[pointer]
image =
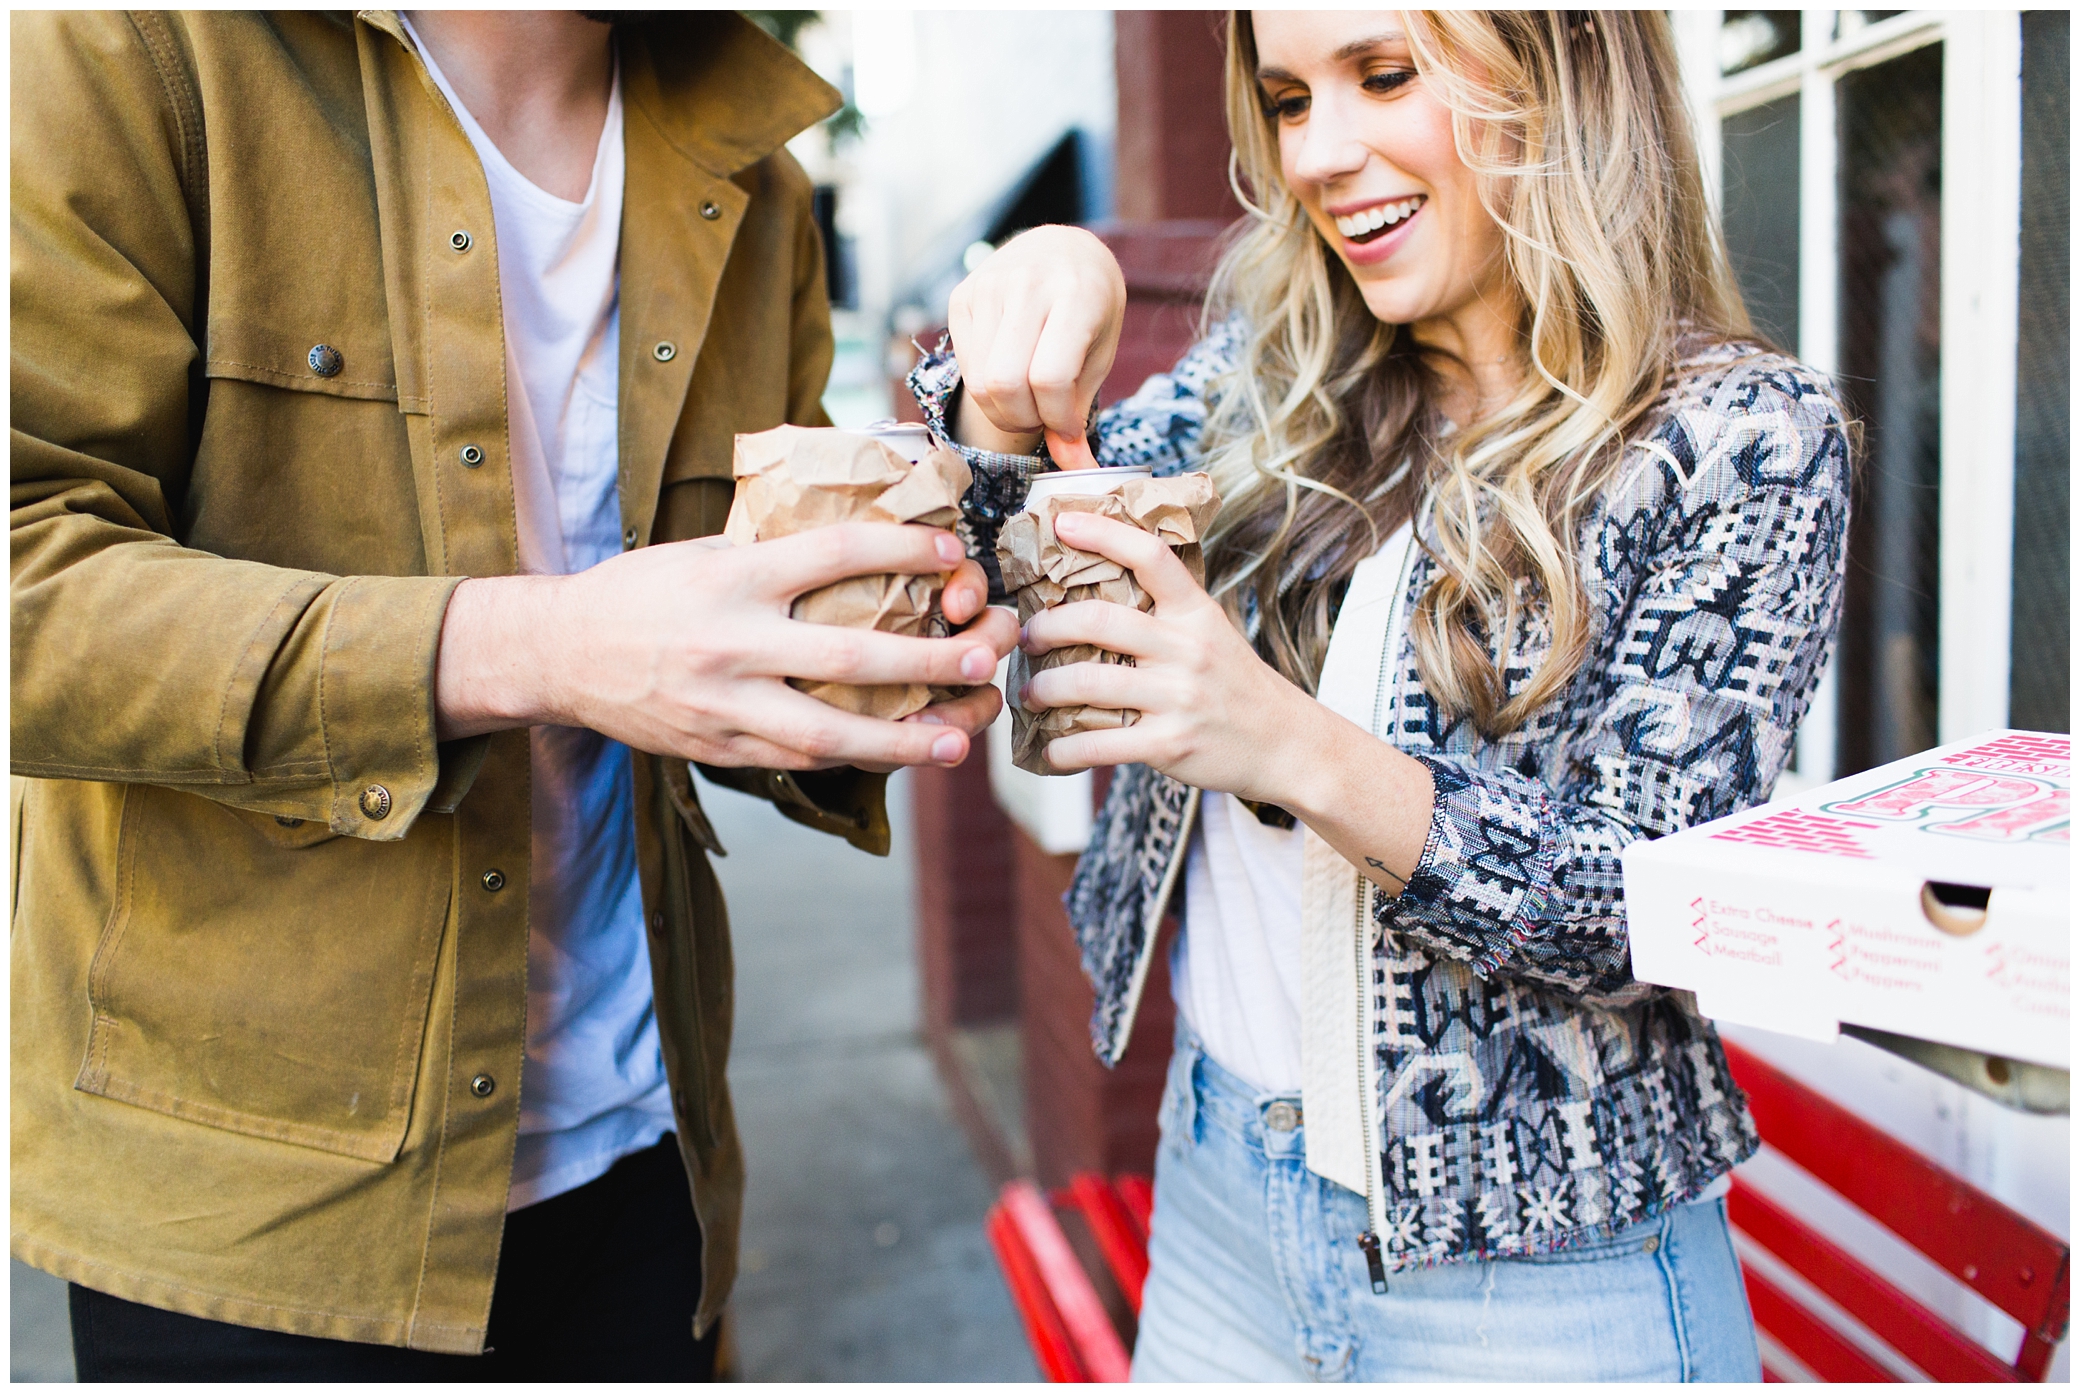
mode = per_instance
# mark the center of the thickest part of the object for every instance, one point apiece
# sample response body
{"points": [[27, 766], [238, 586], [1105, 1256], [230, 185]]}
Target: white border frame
{"points": [[1980, 266]]}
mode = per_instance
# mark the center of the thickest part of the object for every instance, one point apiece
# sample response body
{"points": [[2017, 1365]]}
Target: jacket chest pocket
{"points": [[266, 979]]}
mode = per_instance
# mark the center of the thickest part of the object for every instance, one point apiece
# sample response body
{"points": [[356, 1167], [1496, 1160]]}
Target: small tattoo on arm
{"points": [[1381, 867]]}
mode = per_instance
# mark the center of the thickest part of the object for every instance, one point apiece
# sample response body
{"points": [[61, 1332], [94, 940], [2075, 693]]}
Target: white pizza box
{"points": [[1930, 897]]}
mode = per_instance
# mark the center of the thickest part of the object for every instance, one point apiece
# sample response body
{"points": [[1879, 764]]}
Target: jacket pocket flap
{"points": [[359, 363]]}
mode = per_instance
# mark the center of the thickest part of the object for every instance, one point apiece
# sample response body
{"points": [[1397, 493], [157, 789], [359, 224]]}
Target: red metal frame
{"points": [[1121, 1238], [1052, 1348], [1070, 1330], [2012, 1262]]}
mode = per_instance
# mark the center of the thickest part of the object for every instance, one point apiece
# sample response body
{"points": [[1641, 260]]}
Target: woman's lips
{"points": [[1370, 224], [1368, 239]]}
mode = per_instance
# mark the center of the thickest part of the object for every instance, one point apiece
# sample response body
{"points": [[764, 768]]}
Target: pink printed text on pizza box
{"points": [[1930, 897]]}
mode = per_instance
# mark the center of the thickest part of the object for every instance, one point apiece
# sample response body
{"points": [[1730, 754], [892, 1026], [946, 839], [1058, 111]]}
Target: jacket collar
{"points": [[724, 93]]}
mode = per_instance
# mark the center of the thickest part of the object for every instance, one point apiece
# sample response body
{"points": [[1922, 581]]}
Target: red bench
{"points": [[2005, 1258]]}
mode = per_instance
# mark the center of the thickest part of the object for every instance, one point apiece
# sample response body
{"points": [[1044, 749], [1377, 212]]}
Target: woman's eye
{"points": [[1287, 108], [1387, 80]]}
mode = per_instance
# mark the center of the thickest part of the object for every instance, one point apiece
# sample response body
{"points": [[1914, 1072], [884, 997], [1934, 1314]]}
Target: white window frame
{"points": [[1980, 270]]}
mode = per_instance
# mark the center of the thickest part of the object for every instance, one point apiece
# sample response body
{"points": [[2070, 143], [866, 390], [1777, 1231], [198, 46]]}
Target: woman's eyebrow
{"points": [[1358, 46], [1355, 48]]}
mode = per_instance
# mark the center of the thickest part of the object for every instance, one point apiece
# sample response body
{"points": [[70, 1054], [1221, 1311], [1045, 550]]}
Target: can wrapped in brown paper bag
{"points": [[796, 478], [1041, 572]]}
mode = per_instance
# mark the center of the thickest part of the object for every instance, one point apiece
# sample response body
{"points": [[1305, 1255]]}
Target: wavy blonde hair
{"points": [[1581, 146]]}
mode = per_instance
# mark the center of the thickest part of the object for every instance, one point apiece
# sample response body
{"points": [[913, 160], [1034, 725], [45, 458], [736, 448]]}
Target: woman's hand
{"points": [[1215, 715], [1035, 329]]}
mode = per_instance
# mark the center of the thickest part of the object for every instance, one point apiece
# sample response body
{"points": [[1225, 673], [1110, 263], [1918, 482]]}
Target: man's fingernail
{"points": [[947, 748], [927, 718], [949, 548], [977, 664]]}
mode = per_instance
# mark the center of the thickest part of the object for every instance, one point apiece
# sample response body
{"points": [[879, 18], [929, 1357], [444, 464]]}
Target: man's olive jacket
{"points": [[269, 935]]}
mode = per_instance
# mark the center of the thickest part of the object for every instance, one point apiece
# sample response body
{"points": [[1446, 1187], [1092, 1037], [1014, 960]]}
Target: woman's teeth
{"points": [[1365, 225]]}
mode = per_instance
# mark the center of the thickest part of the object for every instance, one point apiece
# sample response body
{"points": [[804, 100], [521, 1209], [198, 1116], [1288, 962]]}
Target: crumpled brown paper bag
{"points": [[795, 478], [1042, 572]]}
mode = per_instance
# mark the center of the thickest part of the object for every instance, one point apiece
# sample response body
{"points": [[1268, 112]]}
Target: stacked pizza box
{"points": [[1929, 898]]}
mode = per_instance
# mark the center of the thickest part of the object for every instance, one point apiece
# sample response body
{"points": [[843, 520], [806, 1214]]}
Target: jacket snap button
{"points": [[325, 360], [483, 1085], [1652, 1245], [375, 802], [494, 880], [1281, 1117], [657, 922], [628, 538], [472, 456], [459, 240], [710, 211], [665, 351]]}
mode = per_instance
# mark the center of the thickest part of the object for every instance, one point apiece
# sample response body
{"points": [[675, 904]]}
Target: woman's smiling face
{"points": [[1367, 149]]}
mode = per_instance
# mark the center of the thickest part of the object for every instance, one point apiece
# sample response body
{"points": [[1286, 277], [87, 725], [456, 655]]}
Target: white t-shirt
{"points": [[594, 1086], [1235, 970]]}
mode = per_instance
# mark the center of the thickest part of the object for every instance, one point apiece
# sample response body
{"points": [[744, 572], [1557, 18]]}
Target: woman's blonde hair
{"points": [[1581, 146]]}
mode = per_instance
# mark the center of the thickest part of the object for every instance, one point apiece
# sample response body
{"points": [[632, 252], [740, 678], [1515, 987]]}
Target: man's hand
{"points": [[685, 649]]}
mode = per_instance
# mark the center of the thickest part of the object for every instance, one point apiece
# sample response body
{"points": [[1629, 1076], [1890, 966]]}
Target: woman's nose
{"points": [[1329, 147]]}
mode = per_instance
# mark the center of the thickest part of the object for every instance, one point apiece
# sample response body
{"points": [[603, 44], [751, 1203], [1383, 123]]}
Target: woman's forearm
{"points": [[1360, 795]]}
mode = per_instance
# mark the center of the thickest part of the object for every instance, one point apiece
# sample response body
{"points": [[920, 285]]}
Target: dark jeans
{"points": [[597, 1284]]}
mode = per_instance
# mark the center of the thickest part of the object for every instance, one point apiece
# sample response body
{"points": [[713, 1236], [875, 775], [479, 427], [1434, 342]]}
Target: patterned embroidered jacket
{"points": [[1532, 1094]]}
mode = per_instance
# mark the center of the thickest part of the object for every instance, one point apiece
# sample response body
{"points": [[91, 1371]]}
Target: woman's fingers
{"points": [[1108, 686], [1073, 350], [1161, 574], [1099, 623], [1002, 381], [1092, 749]]}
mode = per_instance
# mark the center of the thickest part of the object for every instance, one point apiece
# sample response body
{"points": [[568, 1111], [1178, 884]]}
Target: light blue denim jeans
{"points": [[1255, 1275]]}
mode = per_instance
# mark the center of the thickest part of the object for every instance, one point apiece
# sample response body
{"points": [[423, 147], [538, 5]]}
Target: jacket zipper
{"points": [[1368, 1241], [1361, 938]]}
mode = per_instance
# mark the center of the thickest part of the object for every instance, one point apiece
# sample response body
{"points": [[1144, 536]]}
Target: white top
{"points": [[594, 1086], [1236, 969]]}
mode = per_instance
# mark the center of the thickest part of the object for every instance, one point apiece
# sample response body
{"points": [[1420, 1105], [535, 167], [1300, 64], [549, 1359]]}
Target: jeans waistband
{"points": [[1265, 1121]]}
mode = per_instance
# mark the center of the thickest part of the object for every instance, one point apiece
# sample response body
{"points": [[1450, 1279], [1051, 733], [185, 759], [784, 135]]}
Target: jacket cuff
{"points": [[376, 699], [845, 802], [999, 489], [1485, 872]]}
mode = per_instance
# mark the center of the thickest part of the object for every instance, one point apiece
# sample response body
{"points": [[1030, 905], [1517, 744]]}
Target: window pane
{"points": [[1891, 135], [1760, 148], [1750, 38], [2039, 690]]}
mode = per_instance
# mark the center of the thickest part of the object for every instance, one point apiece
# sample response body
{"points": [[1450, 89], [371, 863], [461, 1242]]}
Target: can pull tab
{"points": [[1376, 1265], [1070, 454]]}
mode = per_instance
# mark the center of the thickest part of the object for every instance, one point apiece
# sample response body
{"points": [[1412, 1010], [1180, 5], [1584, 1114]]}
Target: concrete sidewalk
{"points": [[863, 1257]]}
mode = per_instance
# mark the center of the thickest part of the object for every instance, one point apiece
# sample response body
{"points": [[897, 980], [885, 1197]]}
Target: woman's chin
{"points": [[1393, 301]]}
